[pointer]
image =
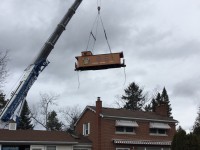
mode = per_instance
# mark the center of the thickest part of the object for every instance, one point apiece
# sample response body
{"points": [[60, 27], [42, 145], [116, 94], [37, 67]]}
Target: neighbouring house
{"points": [[11, 139], [121, 129]]}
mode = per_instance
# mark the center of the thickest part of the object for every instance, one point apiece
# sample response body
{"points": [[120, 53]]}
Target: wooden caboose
{"points": [[88, 61]]}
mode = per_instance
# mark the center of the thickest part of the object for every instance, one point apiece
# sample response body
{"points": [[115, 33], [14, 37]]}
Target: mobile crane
{"points": [[32, 72]]}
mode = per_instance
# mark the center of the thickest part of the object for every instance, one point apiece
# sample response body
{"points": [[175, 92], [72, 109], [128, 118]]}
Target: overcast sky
{"points": [[160, 41]]}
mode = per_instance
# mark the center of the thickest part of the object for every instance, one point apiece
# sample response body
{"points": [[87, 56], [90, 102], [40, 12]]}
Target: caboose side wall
{"points": [[94, 60]]}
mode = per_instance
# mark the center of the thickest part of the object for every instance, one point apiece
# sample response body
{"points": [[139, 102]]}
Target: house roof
{"points": [[39, 137], [130, 114]]}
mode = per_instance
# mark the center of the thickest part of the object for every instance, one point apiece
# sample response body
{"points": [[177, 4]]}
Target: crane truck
{"points": [[9, 112]]}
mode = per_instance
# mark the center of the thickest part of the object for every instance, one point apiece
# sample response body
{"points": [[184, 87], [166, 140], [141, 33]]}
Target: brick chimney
{"points": [[98, 123], [98, 105], [161, 110]]}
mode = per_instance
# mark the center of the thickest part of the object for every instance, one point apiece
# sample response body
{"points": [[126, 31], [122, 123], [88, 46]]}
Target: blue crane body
{"points": [[33, 71]]}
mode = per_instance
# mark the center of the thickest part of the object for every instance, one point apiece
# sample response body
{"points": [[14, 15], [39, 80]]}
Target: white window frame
{"points": [[86, 129]]}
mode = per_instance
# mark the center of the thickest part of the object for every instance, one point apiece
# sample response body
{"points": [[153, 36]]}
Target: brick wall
{"points": [[88, 117], [104, 141]]}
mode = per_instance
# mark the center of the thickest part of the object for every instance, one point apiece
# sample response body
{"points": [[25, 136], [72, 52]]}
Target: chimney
{"points": [[98, 106], [98, 123], [161, 110]]}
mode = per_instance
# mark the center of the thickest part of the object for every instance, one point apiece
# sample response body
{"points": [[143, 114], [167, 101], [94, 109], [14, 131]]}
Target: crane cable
{"points": [[94, 35]]}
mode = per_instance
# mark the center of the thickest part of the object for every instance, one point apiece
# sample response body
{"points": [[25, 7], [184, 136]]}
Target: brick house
{"points": [[41, 140], [121, 129]]}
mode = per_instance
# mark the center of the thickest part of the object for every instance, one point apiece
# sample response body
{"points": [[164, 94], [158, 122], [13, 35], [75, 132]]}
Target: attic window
{"points": [[86, 129], [12, 126]]}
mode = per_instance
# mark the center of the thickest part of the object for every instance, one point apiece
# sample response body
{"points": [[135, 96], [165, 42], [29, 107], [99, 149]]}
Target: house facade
{"points": [[121, 129], [41, 140]]}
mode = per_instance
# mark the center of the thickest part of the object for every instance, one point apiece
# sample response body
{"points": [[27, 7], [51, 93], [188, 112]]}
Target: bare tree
{"points": [[119, 103], [40, 115], [70, 115], [3, 67]]}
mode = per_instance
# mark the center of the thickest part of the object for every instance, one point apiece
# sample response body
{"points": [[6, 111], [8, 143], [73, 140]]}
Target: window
{"points": [[10, 148], [158, 128], [158, 131], [37, 147], [125, 126], [51, 148], [86, 129], [120, 129]]}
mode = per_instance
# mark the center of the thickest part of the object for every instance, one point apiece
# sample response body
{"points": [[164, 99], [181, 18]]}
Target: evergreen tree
{"points": [[155, 102], [25, 119], [134, 98], [148, 107], [53, 122], [158, 99], [2, 101], [196, 127], [165, 100], [179, 140], [192, 142]]}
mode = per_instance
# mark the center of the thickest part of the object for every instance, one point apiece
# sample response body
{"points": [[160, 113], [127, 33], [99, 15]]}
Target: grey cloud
{"points": [[187, 88]]}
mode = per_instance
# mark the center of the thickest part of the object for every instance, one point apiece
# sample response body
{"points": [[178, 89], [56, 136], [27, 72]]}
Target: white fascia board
{"points": [[87, 107]]}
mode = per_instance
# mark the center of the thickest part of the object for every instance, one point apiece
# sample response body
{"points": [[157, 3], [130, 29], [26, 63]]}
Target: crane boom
{"points": [[33, 70]]}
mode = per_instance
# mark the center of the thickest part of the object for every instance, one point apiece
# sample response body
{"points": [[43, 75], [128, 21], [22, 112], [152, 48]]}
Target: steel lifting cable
{"points": [[105, 35], [91, 34], [98, 3], [96, 22]]}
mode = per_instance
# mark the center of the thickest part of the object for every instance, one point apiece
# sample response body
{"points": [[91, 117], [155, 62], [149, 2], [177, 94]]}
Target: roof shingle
{"points": [[124, 113], [39, 136]]}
